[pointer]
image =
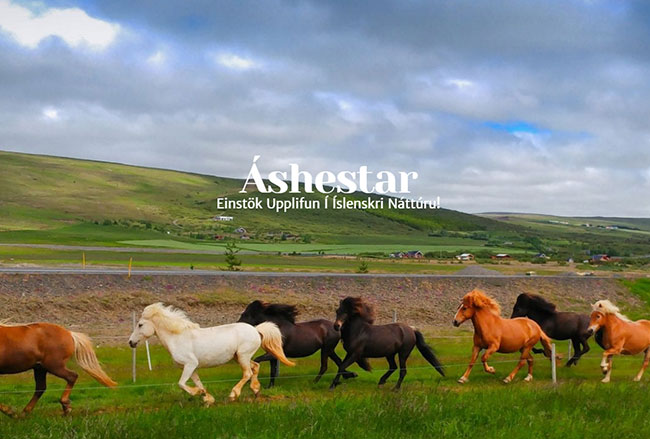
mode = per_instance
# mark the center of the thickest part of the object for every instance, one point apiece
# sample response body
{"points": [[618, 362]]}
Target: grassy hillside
{"points": [[67, 199]]}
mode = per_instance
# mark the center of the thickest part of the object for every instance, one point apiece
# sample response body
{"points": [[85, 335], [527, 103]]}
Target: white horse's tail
{"points": [[272, 341]]}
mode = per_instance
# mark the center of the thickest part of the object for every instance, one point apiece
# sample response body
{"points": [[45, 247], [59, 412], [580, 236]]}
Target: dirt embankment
{"points": [[103, 304]]}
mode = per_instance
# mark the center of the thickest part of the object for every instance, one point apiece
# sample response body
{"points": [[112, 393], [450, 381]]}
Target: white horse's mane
{"points": [[168, 318], [607, 307]]}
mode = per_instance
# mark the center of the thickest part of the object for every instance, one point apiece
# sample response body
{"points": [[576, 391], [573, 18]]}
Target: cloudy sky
{"points": [[530, 106]]}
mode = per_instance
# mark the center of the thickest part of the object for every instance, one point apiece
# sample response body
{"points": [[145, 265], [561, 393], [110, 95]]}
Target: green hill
{"points": [[57, 200]]}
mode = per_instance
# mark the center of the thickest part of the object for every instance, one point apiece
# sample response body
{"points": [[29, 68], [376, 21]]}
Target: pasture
{"points": [[426, 406]]}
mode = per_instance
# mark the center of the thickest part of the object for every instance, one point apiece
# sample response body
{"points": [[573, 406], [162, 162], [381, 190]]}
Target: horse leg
{"points": [[646, 360], [475, 351], [608, 369], [275, 366], [188, 370], [489, 351], [349, 359], [247, 373], [40, 377], [392, 367], [403, 356], [576, 352], [337, 360], [207, 398], [70, 378], [255, 383], [525, 353]]}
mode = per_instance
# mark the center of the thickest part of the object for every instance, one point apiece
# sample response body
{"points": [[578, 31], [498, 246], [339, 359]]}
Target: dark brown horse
{"points": [[362, 339], [299, 339], [45, 347], [556, 324]]}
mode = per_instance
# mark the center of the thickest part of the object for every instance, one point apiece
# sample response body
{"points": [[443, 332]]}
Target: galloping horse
{"points": [[620, 336], [362, 339], [557, 325], [45, 347], [496, 334], [193, 347], [299, 339]]}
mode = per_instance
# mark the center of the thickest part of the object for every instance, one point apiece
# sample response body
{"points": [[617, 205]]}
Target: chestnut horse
{"points": [[620, 336], [45, 347], [496, 334]]}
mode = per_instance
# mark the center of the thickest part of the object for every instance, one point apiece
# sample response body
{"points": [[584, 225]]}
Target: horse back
{"points": [[23, 346]]}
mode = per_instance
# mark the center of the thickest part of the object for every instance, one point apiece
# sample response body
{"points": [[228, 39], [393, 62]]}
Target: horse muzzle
{"points": [[337, 325], [133, 343], [456, 323]]}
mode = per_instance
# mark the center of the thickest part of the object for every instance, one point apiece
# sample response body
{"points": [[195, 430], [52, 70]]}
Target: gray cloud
{"points": [[334, 85]]}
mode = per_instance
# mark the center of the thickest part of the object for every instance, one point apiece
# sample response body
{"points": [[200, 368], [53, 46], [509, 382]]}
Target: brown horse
{"points": [[496, 334], [45, 347], [620, 336]]}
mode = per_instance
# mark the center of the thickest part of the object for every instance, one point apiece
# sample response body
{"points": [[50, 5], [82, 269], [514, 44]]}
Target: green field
{"points": [[427, 406]]}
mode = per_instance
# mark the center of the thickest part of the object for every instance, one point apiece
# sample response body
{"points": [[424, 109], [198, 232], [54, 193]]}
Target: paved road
{"points": [[88, 248], [77, 271]]}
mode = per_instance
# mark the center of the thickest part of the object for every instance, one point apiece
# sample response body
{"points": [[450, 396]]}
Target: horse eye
{"points": [[139, 325]]}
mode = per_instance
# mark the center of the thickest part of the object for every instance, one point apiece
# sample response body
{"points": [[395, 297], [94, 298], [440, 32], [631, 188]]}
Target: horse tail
{"points": [[427, 353], [272, 341], [546, 343], [86, 358]]}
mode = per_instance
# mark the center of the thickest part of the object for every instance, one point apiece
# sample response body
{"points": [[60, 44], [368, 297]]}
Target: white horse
{"points": [[193, 347]]}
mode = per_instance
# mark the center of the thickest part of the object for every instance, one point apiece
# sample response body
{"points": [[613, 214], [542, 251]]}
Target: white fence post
{"points": [[570, 344], [133, 351], [553, 364], [394, 316]]}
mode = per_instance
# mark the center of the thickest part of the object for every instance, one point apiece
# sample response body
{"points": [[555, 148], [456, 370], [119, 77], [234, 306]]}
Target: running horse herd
{"points": [[45, 348]]}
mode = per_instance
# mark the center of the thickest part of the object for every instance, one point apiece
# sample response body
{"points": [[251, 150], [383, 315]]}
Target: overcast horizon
{"points": [[518, 106]]}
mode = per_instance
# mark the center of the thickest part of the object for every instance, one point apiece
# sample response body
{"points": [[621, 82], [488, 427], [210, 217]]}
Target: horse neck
{"points": [[278, 320], [353, 326], [165, 337], [613, 324], [538, 316], [483, 320]]}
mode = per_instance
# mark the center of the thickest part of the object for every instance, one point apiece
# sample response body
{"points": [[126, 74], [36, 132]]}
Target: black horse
{"points": [[362, 339], [299, 339], [557, 325]]}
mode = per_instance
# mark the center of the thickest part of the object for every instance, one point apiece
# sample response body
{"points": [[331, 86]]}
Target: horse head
{"points": [[522, 306], [254, 313], [353, 307], [473, 301]]}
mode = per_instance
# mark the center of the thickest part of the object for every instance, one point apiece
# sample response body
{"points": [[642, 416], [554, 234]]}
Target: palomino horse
{"points": [[193, 347], [496, 334], [556, 324], [45, 347], [300, 339], [362, 339], [620, 336]]}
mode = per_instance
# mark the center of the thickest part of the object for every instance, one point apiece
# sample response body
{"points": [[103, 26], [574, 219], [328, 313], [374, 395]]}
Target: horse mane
{"points": [[358, 306], [607, 307], [287, 312], [478, 299], [168, 318], [541, 304]]}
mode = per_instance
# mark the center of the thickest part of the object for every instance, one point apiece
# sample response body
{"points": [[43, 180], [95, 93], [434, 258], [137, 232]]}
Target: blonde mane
{"points": [[607, 307], [478, 299], [168, 318]]}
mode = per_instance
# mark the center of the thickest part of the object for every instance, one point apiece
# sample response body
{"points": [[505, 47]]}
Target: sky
{"points": [[517, 106]]}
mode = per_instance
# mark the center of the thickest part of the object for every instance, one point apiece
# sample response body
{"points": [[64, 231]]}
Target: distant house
{"points": [[218, 237], [541, 256], [413, 254], [465, 257], [598, 259], [240, 230], [500, 256], [245, 237], [222, 218], [396, 255]]}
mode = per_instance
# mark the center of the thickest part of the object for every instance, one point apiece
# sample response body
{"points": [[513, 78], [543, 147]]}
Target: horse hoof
{"points": [[637, 379], [490, 370], [605, 380], [528, 378], [462, 380], [507, 380]]}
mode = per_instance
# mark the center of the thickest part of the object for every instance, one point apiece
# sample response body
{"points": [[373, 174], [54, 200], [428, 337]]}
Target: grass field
{"points": [[427, 406]]}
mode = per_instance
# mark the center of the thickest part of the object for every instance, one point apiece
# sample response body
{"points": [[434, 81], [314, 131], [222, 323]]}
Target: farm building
{"points": [[223, 218], [465, 257], [597, 259], [413, 254], [240, 230], [397, 255], [500, 256]]}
